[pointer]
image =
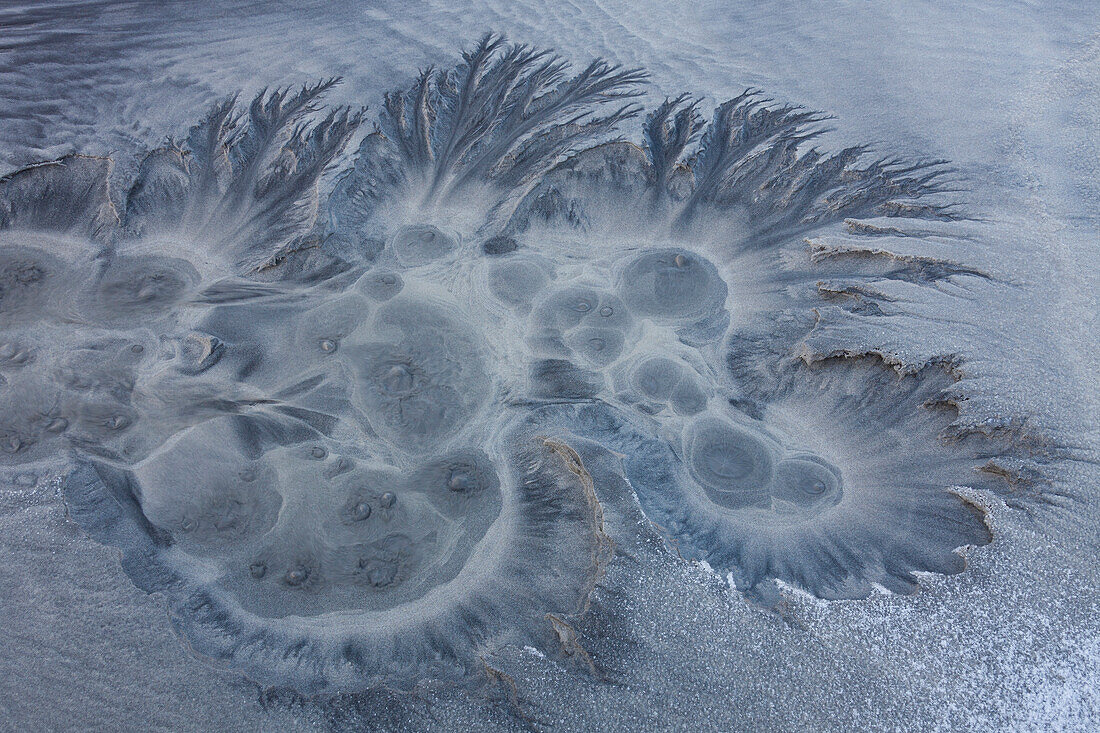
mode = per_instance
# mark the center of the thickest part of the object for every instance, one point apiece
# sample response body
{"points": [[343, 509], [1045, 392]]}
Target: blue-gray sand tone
{"points": [[396, 374]]}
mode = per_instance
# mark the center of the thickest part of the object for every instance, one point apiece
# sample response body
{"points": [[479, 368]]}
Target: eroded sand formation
{"points": [[335, 433]]}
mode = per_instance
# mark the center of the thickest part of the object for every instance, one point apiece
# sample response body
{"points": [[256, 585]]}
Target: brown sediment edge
{"points": [[856, 226], [503, 679], [951, 365], [1016, 432], [567, 637], [831, 291], [1013, 435], [978, 509], [820, 252], [604, 545], [602, 552]]}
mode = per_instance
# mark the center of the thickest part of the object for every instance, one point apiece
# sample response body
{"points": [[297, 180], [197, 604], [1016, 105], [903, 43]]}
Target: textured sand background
{"points": [[1009, 92]]}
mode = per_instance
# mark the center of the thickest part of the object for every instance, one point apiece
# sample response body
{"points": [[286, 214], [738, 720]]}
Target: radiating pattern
{"points": [[335, 432]]}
